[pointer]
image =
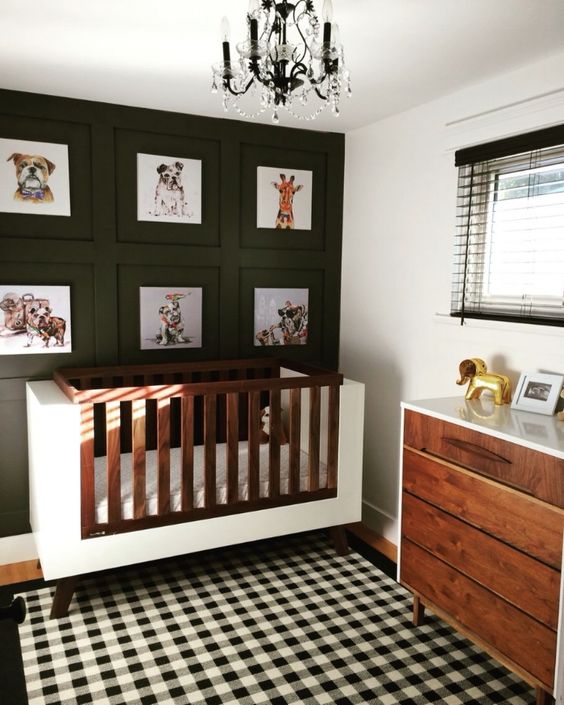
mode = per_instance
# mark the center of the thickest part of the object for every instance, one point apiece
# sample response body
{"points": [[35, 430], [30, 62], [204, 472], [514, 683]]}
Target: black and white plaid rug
{"points": [[283, 621]]}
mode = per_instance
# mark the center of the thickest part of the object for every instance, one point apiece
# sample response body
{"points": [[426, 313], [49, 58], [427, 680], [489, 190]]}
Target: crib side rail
{"points": [[169, 390], [231, 406], [101, 384]]}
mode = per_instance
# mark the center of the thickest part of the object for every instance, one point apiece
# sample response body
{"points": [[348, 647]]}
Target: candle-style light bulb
{"points": [[254, 6], [224, 30]]}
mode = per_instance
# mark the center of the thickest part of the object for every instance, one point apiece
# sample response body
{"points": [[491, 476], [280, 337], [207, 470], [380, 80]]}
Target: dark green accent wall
{"points": [[105, 255]]}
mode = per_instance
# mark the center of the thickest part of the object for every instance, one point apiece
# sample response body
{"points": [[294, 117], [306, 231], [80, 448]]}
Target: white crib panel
{"points": [[54, 457]]}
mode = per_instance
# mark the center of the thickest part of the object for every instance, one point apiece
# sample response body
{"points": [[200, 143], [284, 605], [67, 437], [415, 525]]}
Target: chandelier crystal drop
{"points": [[289, 60]]}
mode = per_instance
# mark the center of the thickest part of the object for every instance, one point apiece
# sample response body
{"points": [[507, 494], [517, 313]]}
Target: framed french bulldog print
{"points": [[169, 189], [170, 317], [34, 319], [281, 317], [284, 198], [34, 177]]}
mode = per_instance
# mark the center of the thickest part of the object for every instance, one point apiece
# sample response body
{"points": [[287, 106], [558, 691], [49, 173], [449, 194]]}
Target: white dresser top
{"points": [[536, 431]]}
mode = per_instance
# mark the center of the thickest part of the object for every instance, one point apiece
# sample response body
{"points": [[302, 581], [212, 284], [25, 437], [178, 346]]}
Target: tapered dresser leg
{"points": [[543, 698], [418, 612]]}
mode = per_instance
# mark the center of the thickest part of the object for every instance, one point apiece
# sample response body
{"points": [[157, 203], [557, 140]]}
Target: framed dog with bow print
{"points": [[34, 177]]}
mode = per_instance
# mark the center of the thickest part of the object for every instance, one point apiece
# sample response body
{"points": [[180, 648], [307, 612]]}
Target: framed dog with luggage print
{"points": [[34, 319]]}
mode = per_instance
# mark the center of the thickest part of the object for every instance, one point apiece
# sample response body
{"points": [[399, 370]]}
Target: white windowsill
{"points": [[505, 326]]}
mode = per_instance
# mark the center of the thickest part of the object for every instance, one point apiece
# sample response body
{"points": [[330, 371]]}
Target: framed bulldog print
{"points": [[169, 189], [170, 317], [284, 198], [34, 319], [34, 177], [281, 317]]}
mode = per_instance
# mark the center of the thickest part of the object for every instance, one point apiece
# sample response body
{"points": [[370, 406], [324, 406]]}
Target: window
{"points": [[509, 246]]}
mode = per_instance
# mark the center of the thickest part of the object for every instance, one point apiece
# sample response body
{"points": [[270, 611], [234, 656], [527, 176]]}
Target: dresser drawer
{"points": [[524, 581], [524, 522], [530, 471], [520, 638]]}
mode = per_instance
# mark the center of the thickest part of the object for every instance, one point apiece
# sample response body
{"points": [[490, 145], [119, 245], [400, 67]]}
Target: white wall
{"points": [[399, 220]]}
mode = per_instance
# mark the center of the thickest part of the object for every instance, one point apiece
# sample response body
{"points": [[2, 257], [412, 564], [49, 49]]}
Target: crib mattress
{"points": [[151, 476]]}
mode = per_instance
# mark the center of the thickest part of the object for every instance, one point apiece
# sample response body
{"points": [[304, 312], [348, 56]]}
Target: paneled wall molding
{"points": [[533, 113], [106, 253]]}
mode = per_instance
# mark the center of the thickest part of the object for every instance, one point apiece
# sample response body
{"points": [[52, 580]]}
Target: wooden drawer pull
{"points": [[480, 471], [468, 447]]}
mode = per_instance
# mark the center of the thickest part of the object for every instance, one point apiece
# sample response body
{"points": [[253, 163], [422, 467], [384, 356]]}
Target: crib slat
{"points": [[314, 431], [210, 407], [139, 457], [254, 445], [295, 421], [87, 466], [187, 453], [232, 448], [274, 444], [113, 460], [333, 437], [222, 409], [163, 446]]}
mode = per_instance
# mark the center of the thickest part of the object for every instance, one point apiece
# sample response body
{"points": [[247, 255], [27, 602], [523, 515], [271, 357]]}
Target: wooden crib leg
{"points": [[63, 596], [339, 537]]}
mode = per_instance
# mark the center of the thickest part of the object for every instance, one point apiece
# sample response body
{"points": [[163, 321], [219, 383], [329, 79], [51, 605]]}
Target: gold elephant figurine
{"points": [[476, 372]]}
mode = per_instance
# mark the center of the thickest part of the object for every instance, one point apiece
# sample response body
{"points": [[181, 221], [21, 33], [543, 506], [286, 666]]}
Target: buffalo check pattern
{"points": [[274, 622]]}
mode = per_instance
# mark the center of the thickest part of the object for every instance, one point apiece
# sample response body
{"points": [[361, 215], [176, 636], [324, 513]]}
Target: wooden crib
{"points": [[194, 455]]}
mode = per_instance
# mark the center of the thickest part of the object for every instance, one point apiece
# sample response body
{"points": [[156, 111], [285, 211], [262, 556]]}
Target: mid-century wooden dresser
{"points": [[482, 521]]}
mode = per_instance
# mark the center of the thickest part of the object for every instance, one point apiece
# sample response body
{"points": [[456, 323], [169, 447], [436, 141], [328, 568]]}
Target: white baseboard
{"points": [[16, 549], [380, 521]]}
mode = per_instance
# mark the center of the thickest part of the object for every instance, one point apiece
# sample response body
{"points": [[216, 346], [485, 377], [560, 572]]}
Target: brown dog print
{"points": [[32, 174], [42, 324]]}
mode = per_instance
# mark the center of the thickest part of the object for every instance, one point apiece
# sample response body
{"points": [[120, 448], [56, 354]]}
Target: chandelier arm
{"points": [[298, 69], [227, 84], [317, 82], [320, 94], [306, 45]]}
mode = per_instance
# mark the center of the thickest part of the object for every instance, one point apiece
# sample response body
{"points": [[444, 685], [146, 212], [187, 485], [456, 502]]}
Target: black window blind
{"points": [[509, 243]]}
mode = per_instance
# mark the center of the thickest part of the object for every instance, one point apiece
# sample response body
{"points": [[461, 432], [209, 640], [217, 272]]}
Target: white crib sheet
{"points": [[101, 499]]}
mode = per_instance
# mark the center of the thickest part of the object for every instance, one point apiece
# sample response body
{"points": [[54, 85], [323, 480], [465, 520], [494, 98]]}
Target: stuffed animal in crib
{"points": [[475, 371]]}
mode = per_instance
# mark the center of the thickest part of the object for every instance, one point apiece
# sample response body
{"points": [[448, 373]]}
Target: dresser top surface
{"points": [[536, 431]]}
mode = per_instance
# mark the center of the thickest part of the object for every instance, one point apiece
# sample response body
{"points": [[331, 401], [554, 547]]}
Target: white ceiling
{"points": [[158, 53]]}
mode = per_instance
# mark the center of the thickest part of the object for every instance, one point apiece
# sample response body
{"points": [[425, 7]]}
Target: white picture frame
{"points": [[34, 177], [294, 187], [35, 319], [537, 392], [281, 317], [169, 189], [170, 317]]}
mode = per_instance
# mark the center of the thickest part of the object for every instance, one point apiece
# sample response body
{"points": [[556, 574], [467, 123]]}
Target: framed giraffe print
{"points": [[284, 198]]}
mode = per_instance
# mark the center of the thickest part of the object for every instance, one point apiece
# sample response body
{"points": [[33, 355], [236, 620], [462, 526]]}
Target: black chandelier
{"points": [[287, 59]]}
